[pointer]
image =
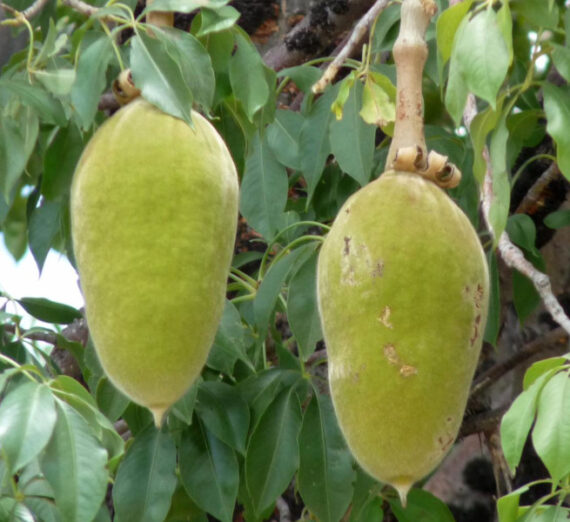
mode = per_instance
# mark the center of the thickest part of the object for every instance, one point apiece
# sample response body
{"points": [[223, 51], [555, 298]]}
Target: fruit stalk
{"points": [[410, 54]]}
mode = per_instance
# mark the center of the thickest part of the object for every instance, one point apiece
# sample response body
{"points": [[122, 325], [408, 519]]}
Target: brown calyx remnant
{"points": [[408, 150]]}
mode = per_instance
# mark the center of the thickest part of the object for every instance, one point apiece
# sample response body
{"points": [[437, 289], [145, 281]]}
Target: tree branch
{"points": [[556, 338], [314, 34], [535, 192], [360, 29], [511, 254], [26, 14]]}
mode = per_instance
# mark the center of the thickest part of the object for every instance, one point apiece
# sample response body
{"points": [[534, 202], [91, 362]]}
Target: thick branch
{"points": [[311, 37], [536, 191], [482, 422]]}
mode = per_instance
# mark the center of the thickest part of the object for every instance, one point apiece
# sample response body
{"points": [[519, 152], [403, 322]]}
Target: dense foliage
{"points": [[257, 436]]}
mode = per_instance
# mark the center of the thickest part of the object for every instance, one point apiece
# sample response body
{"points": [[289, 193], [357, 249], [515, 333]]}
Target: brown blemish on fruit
{"points": [[378, 269], [384, 317], [346, 250], [347, 210], [391, 354], [407, 371], [445, 442], [476, 325]]}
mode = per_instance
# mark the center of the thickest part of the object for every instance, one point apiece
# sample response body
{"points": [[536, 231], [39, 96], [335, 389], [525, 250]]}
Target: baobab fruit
{"points": [[154, 208], [402, 291]]}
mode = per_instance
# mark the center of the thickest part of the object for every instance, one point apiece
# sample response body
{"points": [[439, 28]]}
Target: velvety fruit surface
{"points": [[154, 207], [403, 291]]}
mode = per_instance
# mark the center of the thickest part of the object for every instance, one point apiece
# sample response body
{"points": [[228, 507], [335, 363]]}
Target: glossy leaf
{"points": [[110, 401], [49, 311], [423, 506], [224, 413], [209, 471], [74, 464], [152, 460], [184, 6], [216, 20], [446, 28], [325, 471], [314, 140], [44, 224], [27, 420], [273, 451], [283, 137], [247, 76], [558, 219], [352, 139], [159, 77], [499, 210], [194, 62], [541, 367], [516, 423], [557, 109], [272, 284], [302, 308], [264, 189], [551, 432]]}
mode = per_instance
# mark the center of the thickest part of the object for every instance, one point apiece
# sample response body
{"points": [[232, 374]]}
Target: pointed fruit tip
{"points": [[158, 415], [403, 487]]}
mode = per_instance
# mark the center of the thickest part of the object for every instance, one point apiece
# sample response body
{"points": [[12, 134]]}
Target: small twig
{"points": [[27, 14], [45, 337], [535, 192], [481, 422], [557, 337], [358, 33], [511, 254], [81, 7]]}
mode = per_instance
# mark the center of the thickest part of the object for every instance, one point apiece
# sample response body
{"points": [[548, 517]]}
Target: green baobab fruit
{"points": [[403, 290], [154, 213]]}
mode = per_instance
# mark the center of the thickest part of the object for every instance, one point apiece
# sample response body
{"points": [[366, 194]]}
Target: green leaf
{"points": [[224, 413], [184, 6], [558, 219], [536, 14], [12, 511], [314, 140], [303, 76], [209, 472], [541, 367], [44, 104], [59, 81], [159, 77], [49, 311], [111, 401], [481, 126], [561, 59], [90, 80], [508, 505], [516, 423], [27, 419], [264, 187], [302, 309], [273, 451], [557, 109], [17, 141], [384, 24], [378, 102], [194, 62], [352, 139], [230, 342], [44, 224], [551, 432], [247, 76], [183, 408], [152, 460], [60, 161], [366, 501], [260, 389], [423, 506], [283, 137], [74, 464], [525, 297], [216, 20], [457, 89], [446, 28], [272, 284], [481, 55], [499, 210], [325, 469]]}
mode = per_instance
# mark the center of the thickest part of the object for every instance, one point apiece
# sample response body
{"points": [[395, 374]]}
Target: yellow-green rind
{"points": [[154, 207], [403, 293]]}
